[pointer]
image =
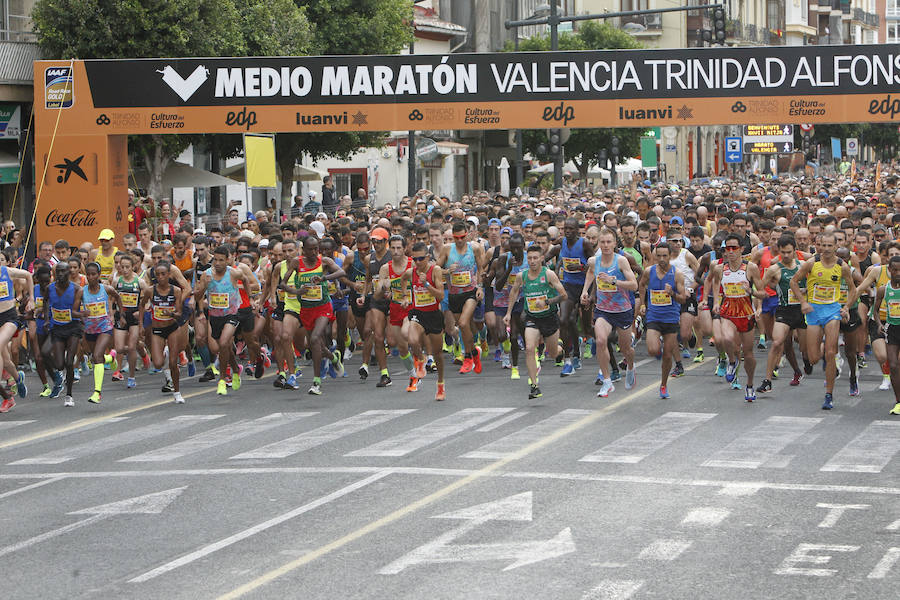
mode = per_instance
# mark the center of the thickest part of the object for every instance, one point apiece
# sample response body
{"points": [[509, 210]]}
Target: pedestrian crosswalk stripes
{"points": [[652, 437], [762, 443], [414, 439], [512, 443], [870, 451], [324, 434], [124, 438], [215, 437], [710, 441]]}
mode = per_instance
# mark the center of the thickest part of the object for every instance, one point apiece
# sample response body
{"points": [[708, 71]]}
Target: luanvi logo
{"points": [[185, 88], [333, 119], [885, 106], [628, 114]]}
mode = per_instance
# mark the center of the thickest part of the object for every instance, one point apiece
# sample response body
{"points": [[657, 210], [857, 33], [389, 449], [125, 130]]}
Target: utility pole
{"points": [[559, 157], [411, 187]]}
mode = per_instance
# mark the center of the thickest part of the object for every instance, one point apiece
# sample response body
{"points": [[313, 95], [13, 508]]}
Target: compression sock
{"points": [[203, 351], [407, 361], [98, 377]]}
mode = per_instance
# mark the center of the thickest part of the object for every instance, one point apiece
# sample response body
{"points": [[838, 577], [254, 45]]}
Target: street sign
{"points": [[764, 147], [852, 147], [426, 149], [733, 150], [768, 130], [806, 126]]}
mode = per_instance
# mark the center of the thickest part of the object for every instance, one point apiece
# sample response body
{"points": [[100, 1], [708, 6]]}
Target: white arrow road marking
{"points": [[512, 508], [150, 504]]}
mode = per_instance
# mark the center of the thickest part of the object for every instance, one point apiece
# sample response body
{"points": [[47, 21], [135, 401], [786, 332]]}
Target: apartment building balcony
{"points": [[751, 34], [772, 38]]}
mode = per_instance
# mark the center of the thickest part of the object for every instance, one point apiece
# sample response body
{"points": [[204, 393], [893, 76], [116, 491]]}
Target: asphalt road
{"points": [[370, 493]]}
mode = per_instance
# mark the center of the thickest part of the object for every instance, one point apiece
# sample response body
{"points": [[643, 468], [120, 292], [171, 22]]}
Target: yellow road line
{"points": [[435, 496]]}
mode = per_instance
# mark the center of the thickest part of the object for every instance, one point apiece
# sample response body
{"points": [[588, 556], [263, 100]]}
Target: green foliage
{"points": [[584, 144], [359, 26], [881, 136]]}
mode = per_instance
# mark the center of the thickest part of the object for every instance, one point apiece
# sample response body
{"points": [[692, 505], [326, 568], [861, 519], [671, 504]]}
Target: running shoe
{"points": [[630, 378], [117, 376], [829, 402], [467, 366], [259, 368], [7, 405], [854, 387], [57, 385], [419, 367], [774, 373], [764, 387], [615, 376], [599, 380], [534, 392], [605, 389], [505, 362], [76, 374], [514, 373], [476, 360], [291, 382], [861, 360], [45, 393], [267, 359], [440, 394], [169, 387], [839, 362], [364, 372], [146, 360], [698, 357], [663, 393], [95, 398], [430, 367], [797, 377], [21, 389], [730, 372], [413, 385], [762, 343], [576, 363], [222, 388], [384, 381], [736, 384], [236, 378], [678, 371], [498, 354], [177, 398], [685, 353], [721, 367], [208, 375], [131, 383], [896, 409], [279, 381], [68, 402], [567, 369], [191, 368], [807, 367], [315, 389], [749, 394], [885, 383]]}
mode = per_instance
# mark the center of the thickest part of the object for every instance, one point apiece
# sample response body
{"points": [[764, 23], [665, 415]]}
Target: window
{"points": [[635, 4], [893, 33], [347, 181], [893, 8], [16, 17]]}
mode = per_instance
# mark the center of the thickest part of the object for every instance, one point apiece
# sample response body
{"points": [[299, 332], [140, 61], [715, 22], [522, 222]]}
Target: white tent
{"points": [[180, 175], [301, 173]]}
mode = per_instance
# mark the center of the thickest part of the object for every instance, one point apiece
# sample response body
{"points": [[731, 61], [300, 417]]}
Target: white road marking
{"points": [[148, 504], [870, 451], [652, 437], [415, 439], [762, 443], [895, 526], [501, 421], [886, 563], [706, 516], [60, 434], [215, 437], [324, 434], [30, 487], [805, 553], [11, 424], [512, 443], [613, 589], [664, 549], [242, 535], [835, 511], [114, 441]]}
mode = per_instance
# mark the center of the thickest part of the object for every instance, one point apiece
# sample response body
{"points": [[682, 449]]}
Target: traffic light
{"points": [[614, 148], [555, 143], [718, 23]]}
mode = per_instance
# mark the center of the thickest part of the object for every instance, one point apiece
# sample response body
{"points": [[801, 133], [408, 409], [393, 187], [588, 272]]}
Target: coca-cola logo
{"points": [[82, 217]]}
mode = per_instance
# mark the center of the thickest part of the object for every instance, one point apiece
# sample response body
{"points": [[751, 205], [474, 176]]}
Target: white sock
{"points": [[168, 374]]}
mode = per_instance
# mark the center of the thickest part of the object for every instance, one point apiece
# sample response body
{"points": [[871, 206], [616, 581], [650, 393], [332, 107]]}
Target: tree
{"points": [[168, 28], [344, 27], [584, 145], [881, 136]]}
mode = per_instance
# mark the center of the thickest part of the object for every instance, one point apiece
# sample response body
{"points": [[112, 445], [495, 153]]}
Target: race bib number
{"points": [[398, 296], [312, 294], [4, 289], [823, 293], [660, 298], [218, 300], [280, 295], [842, 297], [536, 304], [96, 309], [38, 305], [571, 265], [735, 290], [424, 298], [332, 287], [460, 279], [893, 309], [129, 299], [162, 313], [605, 287], [791, 298], [61, 315]]}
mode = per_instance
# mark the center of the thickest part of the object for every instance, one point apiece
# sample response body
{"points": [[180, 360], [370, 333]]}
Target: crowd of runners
{"points": [[807, 269]]}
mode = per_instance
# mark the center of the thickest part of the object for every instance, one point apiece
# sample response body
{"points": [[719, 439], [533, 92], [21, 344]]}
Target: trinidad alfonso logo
{"points": [[185, 88]]}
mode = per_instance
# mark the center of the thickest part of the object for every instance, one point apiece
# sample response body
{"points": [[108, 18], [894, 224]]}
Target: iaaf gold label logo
{"points": [[59, 87]]}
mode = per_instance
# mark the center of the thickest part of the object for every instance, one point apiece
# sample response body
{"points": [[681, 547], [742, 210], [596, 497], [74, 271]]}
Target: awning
{"points": [[180, 175], [452, 148], [9, 168], [301, 173]]}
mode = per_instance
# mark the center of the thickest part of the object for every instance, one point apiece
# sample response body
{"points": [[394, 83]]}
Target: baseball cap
{"points": [[379, 233], [321, 215], [676, 221], [106, 234], [318, 227], [506, 230], [495, 221], [311, 193], [473, 220], [822, 212], [849, 198], [263, 243], [527, 222]]}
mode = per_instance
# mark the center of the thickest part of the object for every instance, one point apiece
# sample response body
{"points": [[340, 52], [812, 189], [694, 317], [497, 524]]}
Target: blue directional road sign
{"points": [[733, 149]]}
